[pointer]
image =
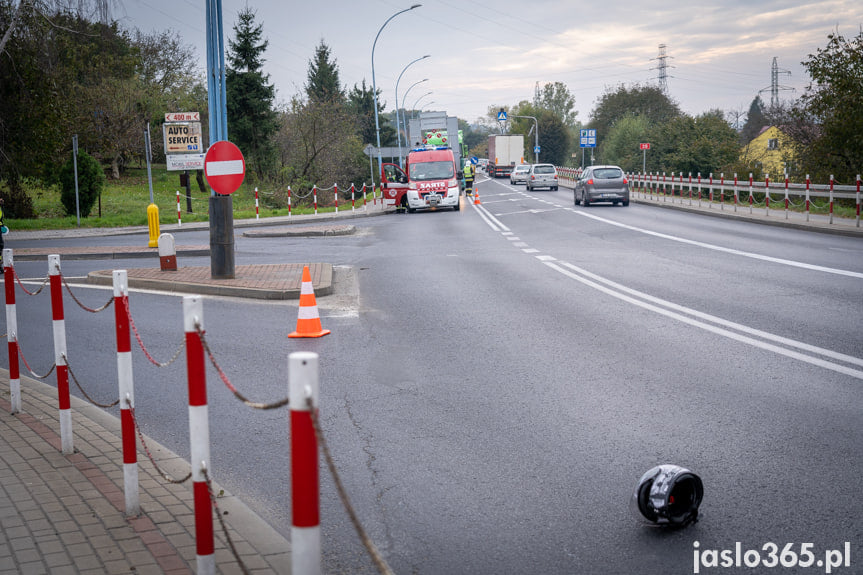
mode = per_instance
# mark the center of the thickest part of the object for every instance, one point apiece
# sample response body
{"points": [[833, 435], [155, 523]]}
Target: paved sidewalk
{"points": [[65, 513]]}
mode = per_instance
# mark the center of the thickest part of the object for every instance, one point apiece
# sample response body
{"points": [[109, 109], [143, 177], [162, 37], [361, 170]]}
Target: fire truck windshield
{"points": [[425, 171]]}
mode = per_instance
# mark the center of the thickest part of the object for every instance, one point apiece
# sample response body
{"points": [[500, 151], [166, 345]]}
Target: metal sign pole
{"points": [[148, 153], [75, 166]]}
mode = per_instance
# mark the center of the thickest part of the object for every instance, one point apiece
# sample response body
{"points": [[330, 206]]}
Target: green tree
{"points": [[252, 122], [556, 98], [91, 179], [755, 121], [834, 103], [639, 100], [318, 146], [322, 80], [361, 103], [706, 143], [553, 138], [621, 146]]}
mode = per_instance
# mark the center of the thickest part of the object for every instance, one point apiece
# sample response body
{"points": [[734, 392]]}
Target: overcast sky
{"points": [[493, 52]]}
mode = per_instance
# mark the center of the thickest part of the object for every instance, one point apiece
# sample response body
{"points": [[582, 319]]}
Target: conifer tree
{"points": [[251, 119]]}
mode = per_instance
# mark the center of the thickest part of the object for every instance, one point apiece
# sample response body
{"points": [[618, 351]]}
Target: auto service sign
{"points": [[224, 167]]}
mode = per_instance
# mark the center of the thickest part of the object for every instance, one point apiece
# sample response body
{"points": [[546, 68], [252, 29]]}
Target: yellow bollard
{"points": [[153, 223]]}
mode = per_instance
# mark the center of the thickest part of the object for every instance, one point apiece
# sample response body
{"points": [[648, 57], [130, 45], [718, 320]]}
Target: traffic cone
{"points": [[476, 195], [308, 321]]}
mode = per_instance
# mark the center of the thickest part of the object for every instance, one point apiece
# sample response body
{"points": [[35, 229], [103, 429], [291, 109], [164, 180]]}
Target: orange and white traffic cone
{"points": [[308, 320], [476, 195]]}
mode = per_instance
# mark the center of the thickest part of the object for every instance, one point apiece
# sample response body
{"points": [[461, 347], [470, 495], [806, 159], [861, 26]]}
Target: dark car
{"points": [[601, 184]]}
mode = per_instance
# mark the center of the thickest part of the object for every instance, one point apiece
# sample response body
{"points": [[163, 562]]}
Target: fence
{"points": [[305, 430], [324, 198], [735, 193]]}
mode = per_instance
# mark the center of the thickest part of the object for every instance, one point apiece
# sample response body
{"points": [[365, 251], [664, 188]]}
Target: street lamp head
{"points": [[414, 6]]}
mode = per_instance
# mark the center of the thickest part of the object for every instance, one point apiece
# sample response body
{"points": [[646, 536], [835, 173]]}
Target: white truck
{"points": [[505, 151]]}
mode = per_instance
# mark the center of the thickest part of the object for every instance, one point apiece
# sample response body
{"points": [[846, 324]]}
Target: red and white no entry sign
{"points": [[224, 167]]}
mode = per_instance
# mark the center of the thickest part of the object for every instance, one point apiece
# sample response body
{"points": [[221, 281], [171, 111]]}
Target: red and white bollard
{"points": [[59, 323], [786, 196], [199, 433], [127, 391], [831, 199], [167, 253], [336, 194], [751, 198], [807, 197], [353, 197], [305, 488], [289, 201], [709, 191], [12, 331], [315, 195], [736, 192], [857, 218], [257, 212], [179, 217]]}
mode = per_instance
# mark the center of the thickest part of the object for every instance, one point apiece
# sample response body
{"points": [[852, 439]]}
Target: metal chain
{"points": [[233, 549], [90, 399], [41, 287], [164, 475], [227, 382], [27, 365], [141, 343], [378, 560], [81, 305]]}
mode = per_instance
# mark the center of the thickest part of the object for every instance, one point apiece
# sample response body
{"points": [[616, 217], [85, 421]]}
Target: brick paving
{"points": [[65, 513]]}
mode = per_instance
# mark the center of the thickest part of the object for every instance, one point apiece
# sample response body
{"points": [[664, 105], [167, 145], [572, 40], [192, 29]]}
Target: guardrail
{"points": [[738, 194]]}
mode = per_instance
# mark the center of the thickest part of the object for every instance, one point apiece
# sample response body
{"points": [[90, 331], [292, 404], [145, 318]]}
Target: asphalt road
{"points": [[498, 378]]}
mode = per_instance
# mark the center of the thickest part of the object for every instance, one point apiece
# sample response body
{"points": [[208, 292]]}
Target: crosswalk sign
{"points": [[501, 116]]}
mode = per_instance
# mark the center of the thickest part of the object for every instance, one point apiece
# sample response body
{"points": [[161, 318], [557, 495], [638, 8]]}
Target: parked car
{"points": [[519, 174], [542, 176], [601, 184]]}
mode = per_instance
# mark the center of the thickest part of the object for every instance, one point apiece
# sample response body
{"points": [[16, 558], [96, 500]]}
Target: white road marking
{"points": [[723, 249], [698, 319]]}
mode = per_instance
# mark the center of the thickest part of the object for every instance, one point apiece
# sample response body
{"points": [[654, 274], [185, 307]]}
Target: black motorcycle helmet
{"points": [[668, 495]]}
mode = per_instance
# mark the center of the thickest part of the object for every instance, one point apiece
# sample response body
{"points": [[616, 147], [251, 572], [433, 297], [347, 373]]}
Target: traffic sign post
{"points": [[225, 169], [644, 147], [587, 139]]}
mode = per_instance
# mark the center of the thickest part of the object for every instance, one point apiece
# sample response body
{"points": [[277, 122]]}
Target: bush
{"points": [[91, 179], [17, 204]]}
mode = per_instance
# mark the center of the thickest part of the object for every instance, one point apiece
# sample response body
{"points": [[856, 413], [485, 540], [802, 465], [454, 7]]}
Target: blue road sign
{"points": [[587, 139], [536, 149], [474, 160], [501, 116]]}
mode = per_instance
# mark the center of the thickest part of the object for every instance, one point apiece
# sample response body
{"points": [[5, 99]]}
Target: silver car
{"points": [[601, 184], [519, 174], [542, 176]]}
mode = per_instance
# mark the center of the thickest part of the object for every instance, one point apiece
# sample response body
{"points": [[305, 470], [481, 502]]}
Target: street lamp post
{"points": [[414, 107], [536, 135], [403, 123], [374, 83], [398, 132]]}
